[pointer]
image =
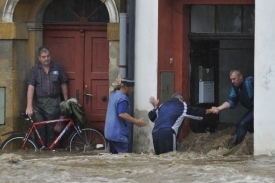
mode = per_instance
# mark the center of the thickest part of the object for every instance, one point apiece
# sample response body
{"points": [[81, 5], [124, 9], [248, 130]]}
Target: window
{"points": [[222, 19], [76, 11]]}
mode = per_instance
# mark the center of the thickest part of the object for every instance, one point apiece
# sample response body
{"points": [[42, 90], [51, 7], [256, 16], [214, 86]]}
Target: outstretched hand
{"points": [[212, 110], [154, 101], [215, 110], [140, 122]]}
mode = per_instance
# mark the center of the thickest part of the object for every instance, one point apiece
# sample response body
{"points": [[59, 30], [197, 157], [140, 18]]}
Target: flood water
{"points": [[171, 167], [201, 158]]}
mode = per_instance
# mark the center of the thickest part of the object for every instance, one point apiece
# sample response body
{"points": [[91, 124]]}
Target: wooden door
{"points": [[96, 79], [65, 47], [84, 55]]}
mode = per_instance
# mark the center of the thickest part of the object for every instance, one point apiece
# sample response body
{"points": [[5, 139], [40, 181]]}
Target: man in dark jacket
{"points": [[242, 91], [168, 118]]}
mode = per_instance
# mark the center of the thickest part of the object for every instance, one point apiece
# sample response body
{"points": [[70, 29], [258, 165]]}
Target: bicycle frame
{"points": [[62, 120]]}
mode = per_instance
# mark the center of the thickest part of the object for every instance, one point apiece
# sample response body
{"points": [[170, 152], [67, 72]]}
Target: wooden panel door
{"points": [[67, 49], [84, 55], [96, 80]]}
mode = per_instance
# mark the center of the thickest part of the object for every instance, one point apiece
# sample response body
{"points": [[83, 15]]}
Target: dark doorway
{"points": [[205, 54], [223, 56]]}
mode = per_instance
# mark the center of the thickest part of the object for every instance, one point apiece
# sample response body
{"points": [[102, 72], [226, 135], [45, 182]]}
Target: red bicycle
{"points": [[88, 138]]}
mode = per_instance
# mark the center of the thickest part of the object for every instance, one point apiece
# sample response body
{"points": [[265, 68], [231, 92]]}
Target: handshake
{"points": [[213, 110]]}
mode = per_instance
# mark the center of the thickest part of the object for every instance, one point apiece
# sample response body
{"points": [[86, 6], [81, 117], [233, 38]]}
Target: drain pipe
{"points": [[131, 54], [122, 38], [131, 43]]}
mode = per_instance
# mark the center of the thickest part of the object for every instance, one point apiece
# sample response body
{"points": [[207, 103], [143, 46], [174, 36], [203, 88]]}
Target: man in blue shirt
{"points": [[119, 122], [168, 119], [242, 91]]}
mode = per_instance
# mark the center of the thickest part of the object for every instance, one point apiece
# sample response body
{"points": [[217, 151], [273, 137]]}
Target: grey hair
{"points": [[177, 95], [43, 49]]}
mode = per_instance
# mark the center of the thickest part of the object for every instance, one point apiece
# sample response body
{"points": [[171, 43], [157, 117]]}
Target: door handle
{"points": [[88, 94], [104, 98]]}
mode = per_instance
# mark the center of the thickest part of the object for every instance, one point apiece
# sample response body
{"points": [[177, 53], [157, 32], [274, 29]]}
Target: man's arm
{"points": [[197, 113], [211, 110], [153, 113], [30, 93], [129, 118], [64, 88], [225, 105]]}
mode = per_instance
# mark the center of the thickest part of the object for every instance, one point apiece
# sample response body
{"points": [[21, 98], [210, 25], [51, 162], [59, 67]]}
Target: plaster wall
{"points": [[113, 64], [146, 62], [6, 82], [13, 72], [264, 124]]}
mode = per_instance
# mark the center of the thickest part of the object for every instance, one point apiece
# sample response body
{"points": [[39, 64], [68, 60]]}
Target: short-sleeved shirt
{"points": [[122, 107], [47, 85]]}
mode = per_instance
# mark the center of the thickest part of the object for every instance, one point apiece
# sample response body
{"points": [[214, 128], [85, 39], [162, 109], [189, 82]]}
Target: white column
{"points": [[264, 98], [146, 62]]}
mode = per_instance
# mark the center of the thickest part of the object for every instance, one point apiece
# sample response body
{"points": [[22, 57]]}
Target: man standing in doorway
{"points": [[46, 82], [242, 91]]}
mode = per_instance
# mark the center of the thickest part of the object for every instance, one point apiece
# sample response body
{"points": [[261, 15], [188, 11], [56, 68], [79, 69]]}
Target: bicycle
{"points": [[87, 138]]}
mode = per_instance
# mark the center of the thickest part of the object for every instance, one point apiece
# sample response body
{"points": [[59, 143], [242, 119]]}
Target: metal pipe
{"points": [[131, 43], [131, 53], [122, 43], [122, 39]]}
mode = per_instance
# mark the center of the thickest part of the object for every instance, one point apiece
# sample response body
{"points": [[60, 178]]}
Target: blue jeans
{"points": [[244, 125], [118, 147]]}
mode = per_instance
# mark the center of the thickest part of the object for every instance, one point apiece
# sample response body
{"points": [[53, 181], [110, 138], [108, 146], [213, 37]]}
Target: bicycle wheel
{"points": [[94, 138], [16, 141]]}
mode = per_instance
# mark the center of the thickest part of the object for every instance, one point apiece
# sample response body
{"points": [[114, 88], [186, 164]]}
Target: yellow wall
{"points": [[19, 41], [13, 31]]}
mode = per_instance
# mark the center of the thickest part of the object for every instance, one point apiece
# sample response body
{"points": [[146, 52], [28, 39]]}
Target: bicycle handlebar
{"points": [[24, 115]]}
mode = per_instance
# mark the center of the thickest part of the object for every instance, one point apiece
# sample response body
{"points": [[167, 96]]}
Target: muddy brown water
{"points": [[200, 158]]}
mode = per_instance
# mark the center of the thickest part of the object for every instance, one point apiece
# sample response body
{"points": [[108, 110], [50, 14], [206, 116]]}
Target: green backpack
{"points": [[71, 108]]}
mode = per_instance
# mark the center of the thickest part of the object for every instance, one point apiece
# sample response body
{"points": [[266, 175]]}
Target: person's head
{"points": [[44, 56], [236, 77], [178, 96], [127, 85]]}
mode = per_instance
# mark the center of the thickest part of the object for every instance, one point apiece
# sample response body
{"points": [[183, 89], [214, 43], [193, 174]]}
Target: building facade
{"points": [[83, 37], [173, 43]]}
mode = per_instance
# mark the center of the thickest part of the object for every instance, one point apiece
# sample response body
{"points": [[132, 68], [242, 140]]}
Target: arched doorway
{"points": [[76, 33]]}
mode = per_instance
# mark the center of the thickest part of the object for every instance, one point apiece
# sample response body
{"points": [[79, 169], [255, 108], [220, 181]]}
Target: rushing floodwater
{"points": [[172, 167], [201, 158]]}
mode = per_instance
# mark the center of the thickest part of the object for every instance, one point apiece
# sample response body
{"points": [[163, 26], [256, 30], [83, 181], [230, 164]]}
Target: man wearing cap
{"points": [[168, 119], [118, 124]]}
